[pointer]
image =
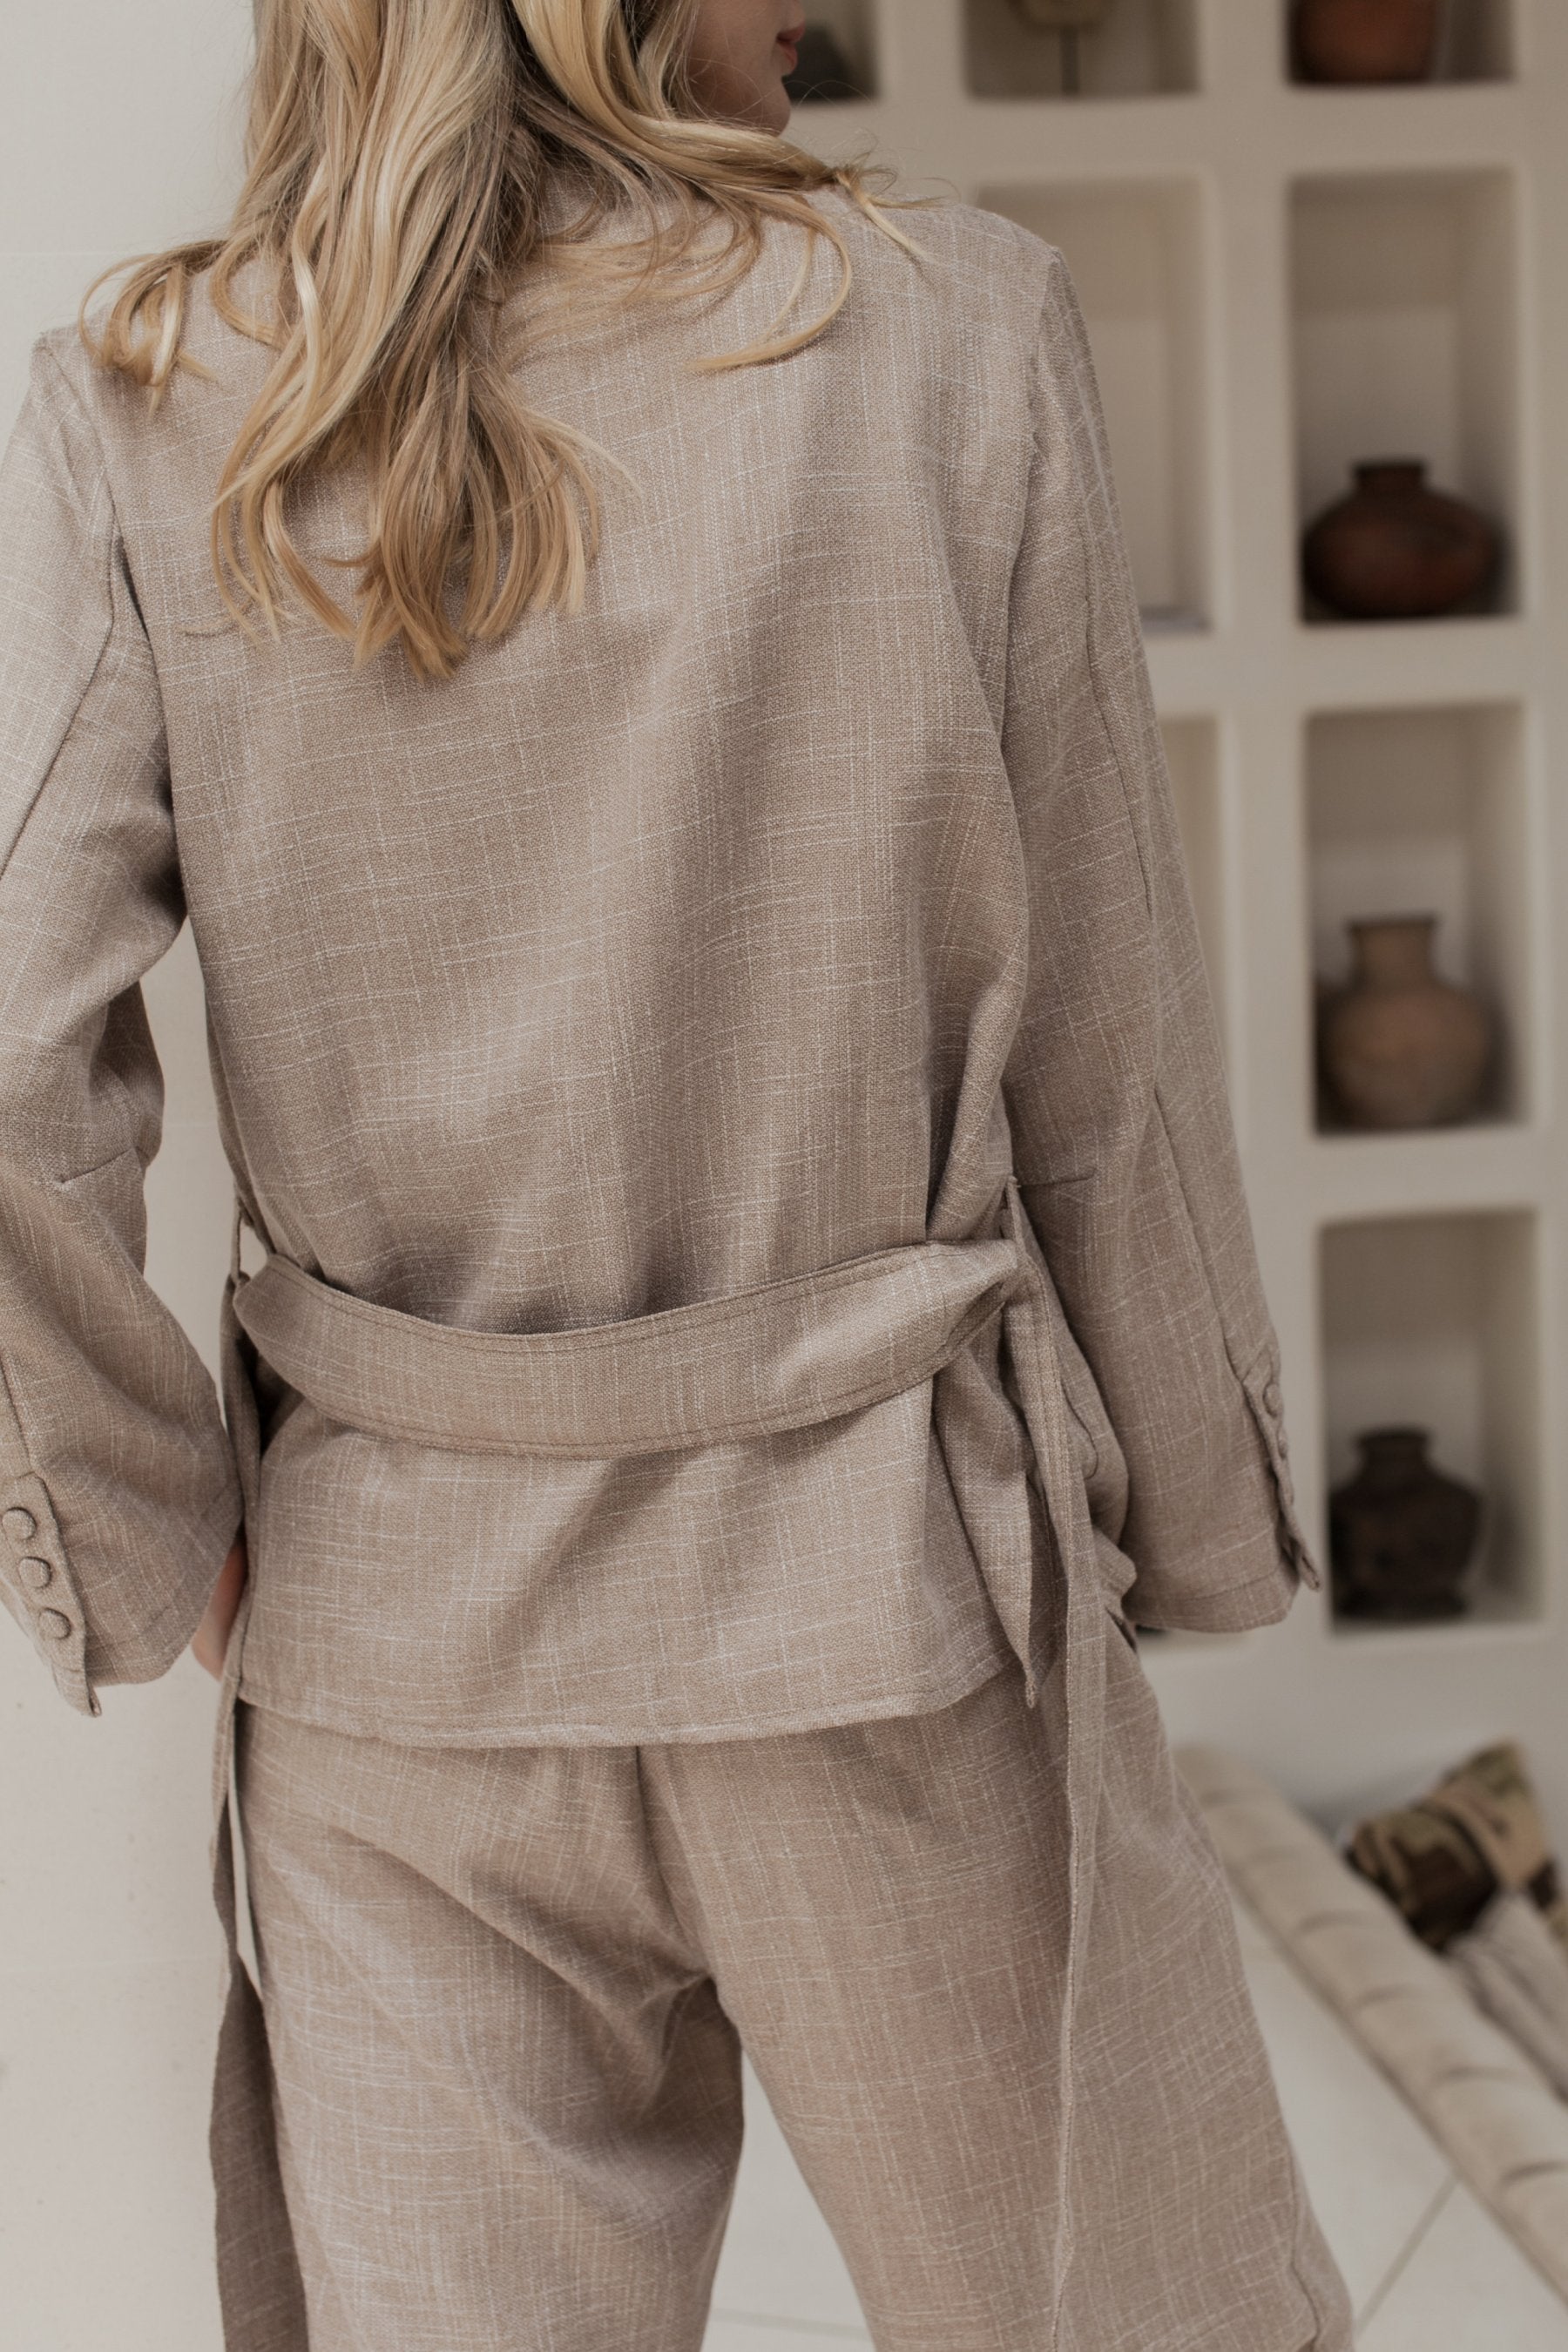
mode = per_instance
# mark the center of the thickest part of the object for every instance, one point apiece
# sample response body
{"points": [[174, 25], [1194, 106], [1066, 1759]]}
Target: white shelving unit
{"points": [[1146, 45], [1281, 278], [1137, 252], [1426, 810], [1405, 336]]}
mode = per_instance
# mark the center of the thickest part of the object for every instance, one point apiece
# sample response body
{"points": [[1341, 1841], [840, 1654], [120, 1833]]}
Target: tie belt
{"points": [[781, 1356], [758, 1361]]}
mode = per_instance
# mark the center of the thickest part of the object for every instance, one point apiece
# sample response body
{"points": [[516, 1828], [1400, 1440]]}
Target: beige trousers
{"points": [[507, 1990]]}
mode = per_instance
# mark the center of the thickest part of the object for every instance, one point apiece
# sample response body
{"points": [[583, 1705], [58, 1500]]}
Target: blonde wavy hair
{"points": [[399, 154]]}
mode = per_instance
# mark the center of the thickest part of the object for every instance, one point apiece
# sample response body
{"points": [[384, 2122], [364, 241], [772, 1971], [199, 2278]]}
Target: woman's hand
{"points": [[210, 1639]]}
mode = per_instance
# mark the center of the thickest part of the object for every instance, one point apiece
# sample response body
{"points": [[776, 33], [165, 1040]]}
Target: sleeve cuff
{"points": [[40, 1591], [1261, 1383]]}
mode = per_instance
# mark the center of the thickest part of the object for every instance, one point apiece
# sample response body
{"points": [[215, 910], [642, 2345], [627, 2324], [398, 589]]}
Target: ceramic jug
{"points": [[1400, 1046], [1397, 549], [1365, 40], [1400, 1532]]}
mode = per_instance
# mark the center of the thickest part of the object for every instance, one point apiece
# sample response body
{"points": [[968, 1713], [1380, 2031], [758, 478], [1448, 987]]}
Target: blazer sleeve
{"points": [[119, 1493], [1123, 1144]]}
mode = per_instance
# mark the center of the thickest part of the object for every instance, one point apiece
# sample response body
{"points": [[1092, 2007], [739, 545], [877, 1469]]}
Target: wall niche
{"points": [[1405, 341], [1423, 811], [1431, 1322], [1135, 249], [1472, 41], [1137, 49]]}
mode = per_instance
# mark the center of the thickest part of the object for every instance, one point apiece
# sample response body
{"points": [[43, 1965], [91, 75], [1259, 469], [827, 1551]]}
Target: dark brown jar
{"points": [[1401, 1533], [1365, 40], [1394, 549]]}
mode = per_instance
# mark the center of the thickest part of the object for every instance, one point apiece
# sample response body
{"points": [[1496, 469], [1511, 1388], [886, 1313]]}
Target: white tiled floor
{"points": [[1427, 2267], [1372, 2171], [1462, 2285], [779, 2263]]}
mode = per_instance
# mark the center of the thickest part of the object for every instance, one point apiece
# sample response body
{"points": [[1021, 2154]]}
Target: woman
{"points": [[620, 645]]}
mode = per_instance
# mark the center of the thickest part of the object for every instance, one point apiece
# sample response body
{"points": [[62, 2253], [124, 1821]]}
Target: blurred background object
{"points": [[1396, 550], [1401, 1534], [1365, 40], [822, 71], [1400, 1046], [1069, 20]]}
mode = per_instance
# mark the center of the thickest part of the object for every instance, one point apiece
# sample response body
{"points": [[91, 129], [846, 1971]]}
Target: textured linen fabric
{"points": [[508, 1989], [811, 899], [759, 917]]}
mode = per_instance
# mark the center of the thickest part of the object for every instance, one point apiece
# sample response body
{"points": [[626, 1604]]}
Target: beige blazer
{"points": [[658, 1061], [749, 1227]]}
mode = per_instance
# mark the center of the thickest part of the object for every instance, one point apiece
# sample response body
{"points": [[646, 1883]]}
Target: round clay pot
{"points": [[1394, 549], [1401, 1534], [1399, 1046], [1365, 40]]}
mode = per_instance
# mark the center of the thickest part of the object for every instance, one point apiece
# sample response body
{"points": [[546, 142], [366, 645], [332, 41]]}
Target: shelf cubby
{"points": [[1140, 49], [1405, 338], [1474, 43], [851, 25], [1135, 249], [1423, 811], [1432, 1322]]}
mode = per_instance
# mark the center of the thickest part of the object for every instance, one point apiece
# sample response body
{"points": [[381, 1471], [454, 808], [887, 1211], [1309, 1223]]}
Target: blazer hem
{"points": [[646, 1732], [1223, 1609], [159, 1643]]}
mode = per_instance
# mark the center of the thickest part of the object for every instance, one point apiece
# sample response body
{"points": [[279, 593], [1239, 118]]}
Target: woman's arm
{"points": [[119, 1496], [1122, 1136]]}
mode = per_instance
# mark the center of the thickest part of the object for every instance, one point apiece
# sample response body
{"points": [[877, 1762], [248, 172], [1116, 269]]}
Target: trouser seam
{"points": [[693, 1946]]}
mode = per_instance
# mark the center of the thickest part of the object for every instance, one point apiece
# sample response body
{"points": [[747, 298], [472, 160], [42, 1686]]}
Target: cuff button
{"points": [[35, 1572], [53, 1624], [19, 1524], [1271, 1396]]}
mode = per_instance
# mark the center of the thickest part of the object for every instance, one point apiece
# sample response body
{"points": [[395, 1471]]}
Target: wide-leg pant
{"points": [[506, 1990]]}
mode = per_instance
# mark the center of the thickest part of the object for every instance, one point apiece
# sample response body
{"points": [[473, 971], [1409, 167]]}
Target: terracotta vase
{"points": [[1365, 40], [1400, 1047], [1401, 1533], [1394, 549]]}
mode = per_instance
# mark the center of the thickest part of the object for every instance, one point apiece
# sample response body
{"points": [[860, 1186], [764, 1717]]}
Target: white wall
{"points": [[117, 134]]}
